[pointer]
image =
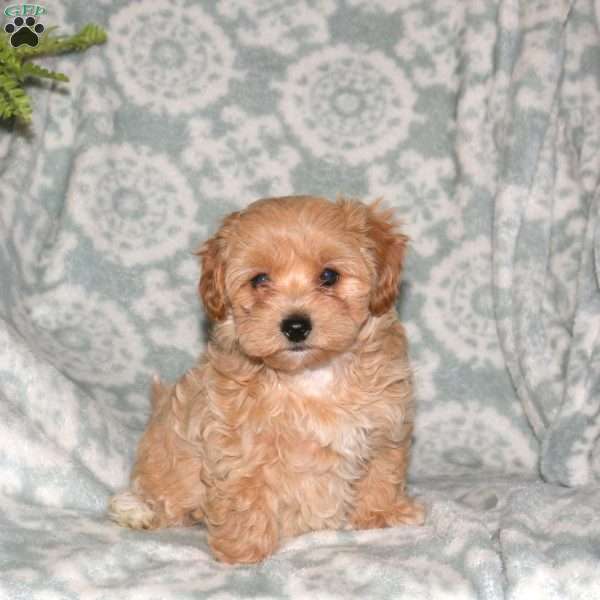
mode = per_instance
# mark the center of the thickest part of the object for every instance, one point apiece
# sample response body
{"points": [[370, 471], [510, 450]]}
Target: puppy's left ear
{"points": [[389, 250]]}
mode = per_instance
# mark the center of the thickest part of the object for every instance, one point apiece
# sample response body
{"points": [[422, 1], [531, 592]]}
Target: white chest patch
{"points": [[315, 382], [343, 434]]}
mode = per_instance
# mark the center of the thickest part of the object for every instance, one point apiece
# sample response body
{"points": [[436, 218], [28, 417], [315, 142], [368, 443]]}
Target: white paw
{"points": [[128, 510]]}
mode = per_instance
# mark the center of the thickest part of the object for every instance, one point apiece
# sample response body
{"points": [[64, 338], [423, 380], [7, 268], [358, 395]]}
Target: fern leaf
{"points": [[6, 107], [14, 68], [15, 101], [89, 35], [32, 70], [9, 62]]}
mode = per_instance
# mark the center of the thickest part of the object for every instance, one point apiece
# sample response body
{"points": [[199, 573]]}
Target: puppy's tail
{"points": [[160, 393]]}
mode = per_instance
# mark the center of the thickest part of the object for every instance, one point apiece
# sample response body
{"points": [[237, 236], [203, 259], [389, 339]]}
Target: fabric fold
{"points": [[545, 290]]}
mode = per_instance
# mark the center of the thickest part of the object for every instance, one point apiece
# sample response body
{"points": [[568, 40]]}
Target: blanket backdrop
{"points": [[479, 121]]}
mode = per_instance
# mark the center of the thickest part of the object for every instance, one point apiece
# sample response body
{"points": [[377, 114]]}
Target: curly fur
{"points": [[262, 442]]}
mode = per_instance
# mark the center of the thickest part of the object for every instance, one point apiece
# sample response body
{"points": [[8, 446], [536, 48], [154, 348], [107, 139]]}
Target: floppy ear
{"points": [[213, 257], [389, 249], [212, 280]]}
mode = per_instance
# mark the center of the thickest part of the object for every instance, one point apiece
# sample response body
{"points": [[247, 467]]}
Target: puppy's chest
{"points": [[321, 415], [315, 383]]}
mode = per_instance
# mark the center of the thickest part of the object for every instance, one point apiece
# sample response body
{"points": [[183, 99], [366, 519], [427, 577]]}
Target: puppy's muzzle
{"points": [[296, 328]]}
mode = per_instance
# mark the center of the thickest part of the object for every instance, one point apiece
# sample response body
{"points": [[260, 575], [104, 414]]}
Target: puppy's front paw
{"points": [[128, 510], [405, 511], [241, 551], [244, 537]]}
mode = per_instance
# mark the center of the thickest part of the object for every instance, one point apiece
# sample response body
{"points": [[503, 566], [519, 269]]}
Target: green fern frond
{"points": [[8, 59], [33, 70], [14, 68], [5, 108], [15, 102], [89, 35]]}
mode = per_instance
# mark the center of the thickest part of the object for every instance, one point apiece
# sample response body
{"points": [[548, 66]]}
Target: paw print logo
{"points": [[24, 31]]}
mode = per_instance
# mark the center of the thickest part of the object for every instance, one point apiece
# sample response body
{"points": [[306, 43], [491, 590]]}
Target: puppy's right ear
{"points": [[212, 280]]}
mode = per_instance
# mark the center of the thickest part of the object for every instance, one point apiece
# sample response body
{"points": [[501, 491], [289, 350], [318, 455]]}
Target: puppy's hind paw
{"points": [[128, 510], [405, 511]]}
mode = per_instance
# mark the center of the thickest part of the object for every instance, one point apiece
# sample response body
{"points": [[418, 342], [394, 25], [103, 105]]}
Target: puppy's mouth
{"points": [[299, 348], [296, 356]]}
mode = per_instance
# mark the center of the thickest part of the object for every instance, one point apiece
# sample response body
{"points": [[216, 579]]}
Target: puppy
{"points": [[299, 415]]}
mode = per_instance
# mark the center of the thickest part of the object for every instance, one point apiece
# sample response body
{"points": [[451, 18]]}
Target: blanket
{"points": [[478, 122]]}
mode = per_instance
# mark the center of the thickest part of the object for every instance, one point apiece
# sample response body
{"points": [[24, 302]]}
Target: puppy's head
{"points": [[298, 277]]}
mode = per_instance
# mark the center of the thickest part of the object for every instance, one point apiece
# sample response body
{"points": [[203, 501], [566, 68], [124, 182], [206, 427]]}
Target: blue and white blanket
{"points": [[479, 121]]}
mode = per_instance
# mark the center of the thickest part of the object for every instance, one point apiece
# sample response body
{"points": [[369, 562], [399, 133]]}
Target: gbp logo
{"points": [[24, 29]]}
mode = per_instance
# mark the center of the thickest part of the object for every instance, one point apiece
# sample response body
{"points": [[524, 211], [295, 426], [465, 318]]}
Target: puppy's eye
{"points": [[259, 279], [329, 277]]}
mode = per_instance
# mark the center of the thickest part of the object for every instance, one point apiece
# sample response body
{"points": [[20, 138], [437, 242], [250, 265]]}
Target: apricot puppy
{"points": [[299, 415]]}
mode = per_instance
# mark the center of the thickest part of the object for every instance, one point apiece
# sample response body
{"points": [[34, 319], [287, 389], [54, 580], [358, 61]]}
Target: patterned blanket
{"points": [[479, 121]]}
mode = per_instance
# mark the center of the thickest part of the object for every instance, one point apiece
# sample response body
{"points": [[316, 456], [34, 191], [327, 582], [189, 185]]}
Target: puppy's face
{"points": [[298, 277]]}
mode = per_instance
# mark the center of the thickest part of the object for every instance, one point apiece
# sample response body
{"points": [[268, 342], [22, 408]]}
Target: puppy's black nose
{"points": [[296, 328]]}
